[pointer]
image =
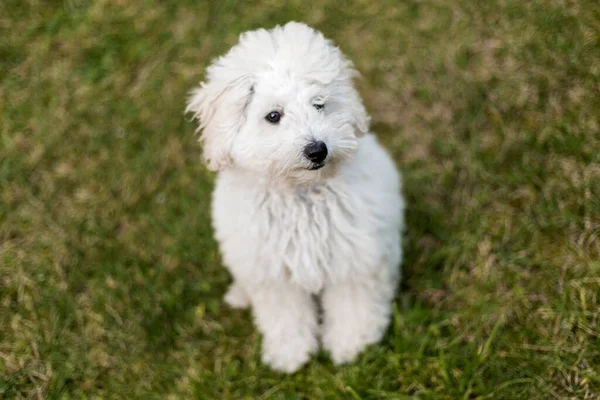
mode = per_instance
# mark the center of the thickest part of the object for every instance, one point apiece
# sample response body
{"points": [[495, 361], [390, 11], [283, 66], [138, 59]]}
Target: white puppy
{"points": [[306, 201]]}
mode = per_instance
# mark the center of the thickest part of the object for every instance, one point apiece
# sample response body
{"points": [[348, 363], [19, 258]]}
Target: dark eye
{"points": [[273, 117], [319, 107]]}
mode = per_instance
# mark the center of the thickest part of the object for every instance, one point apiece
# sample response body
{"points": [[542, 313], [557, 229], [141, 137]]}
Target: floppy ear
{"points": [[220, 108], [359, 114], [349, 97], [352, 100]]}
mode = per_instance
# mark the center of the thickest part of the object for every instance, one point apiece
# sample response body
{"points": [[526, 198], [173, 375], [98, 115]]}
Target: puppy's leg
{"points": [[287, 319], [356, 313], [236, 296]]}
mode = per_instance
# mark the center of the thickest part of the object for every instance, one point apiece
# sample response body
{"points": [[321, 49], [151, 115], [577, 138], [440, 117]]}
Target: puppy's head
{"points": [[281, 103]]}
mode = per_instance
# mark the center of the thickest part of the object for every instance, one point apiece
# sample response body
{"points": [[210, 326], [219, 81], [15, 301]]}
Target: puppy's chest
{"points": [[302, 223], [310, 236]]}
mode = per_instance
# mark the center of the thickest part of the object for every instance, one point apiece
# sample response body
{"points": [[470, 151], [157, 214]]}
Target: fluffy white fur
{"points": [[288, 232]]}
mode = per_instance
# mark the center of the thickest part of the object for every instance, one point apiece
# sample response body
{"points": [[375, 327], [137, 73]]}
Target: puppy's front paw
{"points": [[288, 354], [237, 297], [344, 343], [345, 351]]}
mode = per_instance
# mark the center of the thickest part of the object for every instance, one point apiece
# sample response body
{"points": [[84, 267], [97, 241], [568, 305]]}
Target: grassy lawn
{"points": [[110, 281]]}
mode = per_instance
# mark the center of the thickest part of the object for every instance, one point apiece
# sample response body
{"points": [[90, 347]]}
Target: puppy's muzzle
{"points": [[316, 152]]}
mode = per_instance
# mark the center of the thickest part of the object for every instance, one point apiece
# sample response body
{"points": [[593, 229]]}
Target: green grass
{"points": [[110, 282]]}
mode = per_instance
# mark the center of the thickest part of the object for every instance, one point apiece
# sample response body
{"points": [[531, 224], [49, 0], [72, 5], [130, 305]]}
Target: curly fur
{"points": [[286, 231]]}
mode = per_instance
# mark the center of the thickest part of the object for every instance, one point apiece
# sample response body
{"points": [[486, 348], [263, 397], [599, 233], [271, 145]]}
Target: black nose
{"points": [[316, 151]]}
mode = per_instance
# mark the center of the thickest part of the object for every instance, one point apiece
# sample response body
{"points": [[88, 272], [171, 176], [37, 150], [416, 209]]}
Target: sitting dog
{"points": [[307, 205]]}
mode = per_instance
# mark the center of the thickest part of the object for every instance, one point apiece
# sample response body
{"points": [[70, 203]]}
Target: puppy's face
{"points": [[280, 103], [293, 126]]}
